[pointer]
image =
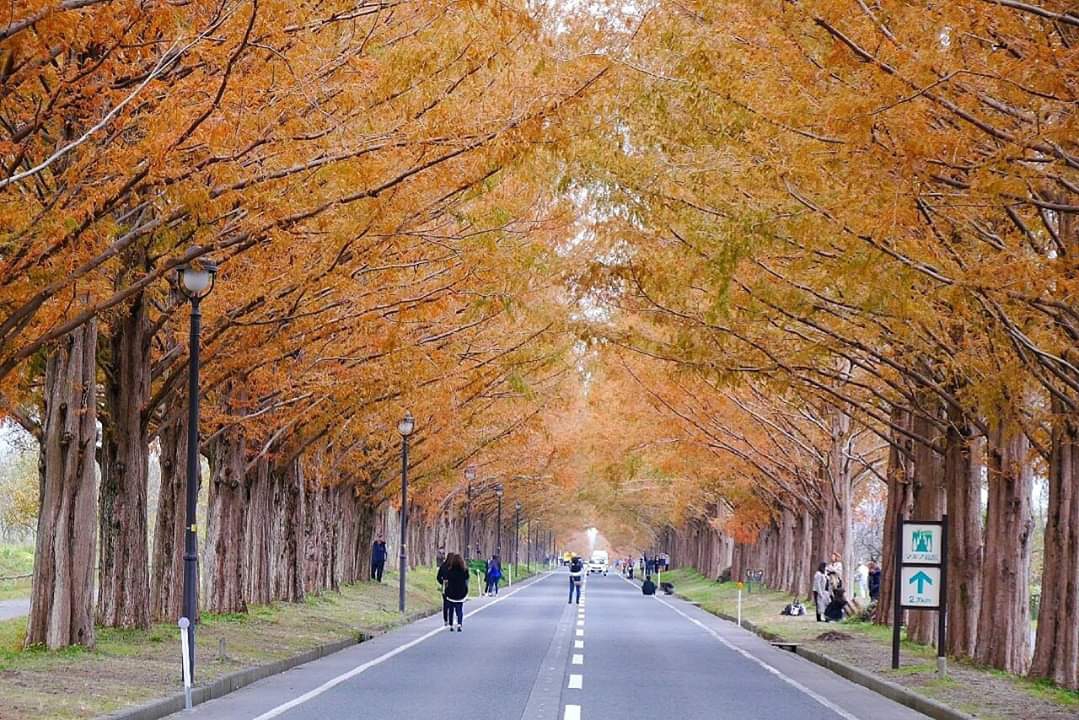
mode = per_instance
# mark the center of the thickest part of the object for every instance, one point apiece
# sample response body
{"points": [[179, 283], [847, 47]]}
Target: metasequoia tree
{"points": [[823, 195]]}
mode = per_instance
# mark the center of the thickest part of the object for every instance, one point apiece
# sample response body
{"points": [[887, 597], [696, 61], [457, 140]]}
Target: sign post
{"points": [[184, 623], [921, 578], [740, 604]]}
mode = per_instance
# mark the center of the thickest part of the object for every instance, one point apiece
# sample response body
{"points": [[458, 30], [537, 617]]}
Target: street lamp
{"points": [[470, 475], [405, 427], [517, 536], [498, 525], [195, 283]]}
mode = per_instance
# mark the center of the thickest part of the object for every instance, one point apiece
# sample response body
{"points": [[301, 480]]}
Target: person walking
{"points": [[576, 578], [821, 596], [443, 569], [494, 575], [454, 589], [378, 558]]}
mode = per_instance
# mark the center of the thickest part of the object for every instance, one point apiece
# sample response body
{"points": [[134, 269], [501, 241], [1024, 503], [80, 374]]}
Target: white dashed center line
{"points": [[576, 682], [578, 659], [579, 644], [580, 633], [573, 712]]}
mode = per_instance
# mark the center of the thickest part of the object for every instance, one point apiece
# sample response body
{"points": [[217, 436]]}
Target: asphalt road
{"points": [[532, 656], [14, 608]]}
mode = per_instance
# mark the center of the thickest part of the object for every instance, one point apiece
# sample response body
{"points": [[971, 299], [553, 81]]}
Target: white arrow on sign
{"points": [[920, 587]]}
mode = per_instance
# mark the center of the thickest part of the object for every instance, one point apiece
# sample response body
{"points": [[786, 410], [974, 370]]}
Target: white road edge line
{"points": [[576, 682], [334, 682], [573, 712], [749, 656]]}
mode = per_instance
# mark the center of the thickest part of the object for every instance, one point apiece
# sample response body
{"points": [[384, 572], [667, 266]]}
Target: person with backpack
{"points": [[454, 579], [494, 575], [576, 578]]}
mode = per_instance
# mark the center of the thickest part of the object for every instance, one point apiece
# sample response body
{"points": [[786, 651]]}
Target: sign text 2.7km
{"points": [[921, 587]]}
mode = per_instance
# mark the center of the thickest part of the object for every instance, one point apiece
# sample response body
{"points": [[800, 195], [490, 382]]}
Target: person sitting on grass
{"points": [[649, 587]]}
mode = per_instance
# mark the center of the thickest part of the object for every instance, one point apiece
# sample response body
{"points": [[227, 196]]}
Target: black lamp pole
{"points": [[195, 284], [498, 538], [191, 547], [405, 427], [517, 535], [470, 474]]}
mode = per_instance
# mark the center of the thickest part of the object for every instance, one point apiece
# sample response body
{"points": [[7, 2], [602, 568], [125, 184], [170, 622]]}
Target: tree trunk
{"points": [[288, 532], [259, 559], [1004, 622], [928, 500], [123, 573], [1056, 652], [167, 562], [224, 553], [900, 503], [62, 590], [963, 478]]}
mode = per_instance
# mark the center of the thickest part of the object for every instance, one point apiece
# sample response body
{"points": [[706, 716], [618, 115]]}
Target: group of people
{"points": [[830, 594], [648, 565]]}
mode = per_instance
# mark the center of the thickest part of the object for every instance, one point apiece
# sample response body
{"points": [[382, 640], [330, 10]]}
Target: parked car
{"points": [[598, 563]]}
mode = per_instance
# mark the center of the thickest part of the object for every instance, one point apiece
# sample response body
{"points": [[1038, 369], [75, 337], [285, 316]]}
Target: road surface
{"points": [[14, 608], [531, 656]]}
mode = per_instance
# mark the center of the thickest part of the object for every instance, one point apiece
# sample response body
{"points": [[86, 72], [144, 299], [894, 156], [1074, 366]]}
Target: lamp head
{"points": [[470, 473], [406, 425], [518, 506], [498, 490], [196, 282]]}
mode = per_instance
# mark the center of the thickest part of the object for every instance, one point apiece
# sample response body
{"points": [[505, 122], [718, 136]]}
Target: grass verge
{"points": [[984, 692], [129, 667]]}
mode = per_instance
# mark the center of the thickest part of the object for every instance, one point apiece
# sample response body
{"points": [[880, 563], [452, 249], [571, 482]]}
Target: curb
{"points": [[887, 688], [157, 709]]}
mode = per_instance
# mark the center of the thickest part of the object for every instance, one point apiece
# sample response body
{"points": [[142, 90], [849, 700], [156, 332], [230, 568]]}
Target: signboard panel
{"points": [[920, 587], [923, 543]]}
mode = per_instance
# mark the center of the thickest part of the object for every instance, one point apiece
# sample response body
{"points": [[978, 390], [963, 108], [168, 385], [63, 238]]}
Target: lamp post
{"points": [[517, 535], [405, 427], [470, 475], [195, 283], [528, 547], [498, 525]]}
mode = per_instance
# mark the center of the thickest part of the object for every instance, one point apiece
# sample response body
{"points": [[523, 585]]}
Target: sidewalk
{"points": [[982, 692]]}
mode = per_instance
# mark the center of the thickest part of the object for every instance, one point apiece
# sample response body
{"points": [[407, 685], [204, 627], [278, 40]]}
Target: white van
{"points": [[599, 562]]}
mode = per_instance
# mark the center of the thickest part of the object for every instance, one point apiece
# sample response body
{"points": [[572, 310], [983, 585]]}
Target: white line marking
{"points": [[334, 682], [576, 682], [573, 712], [580, 632], [578, 659], [749, 656], [580, 623], [578, 644]]}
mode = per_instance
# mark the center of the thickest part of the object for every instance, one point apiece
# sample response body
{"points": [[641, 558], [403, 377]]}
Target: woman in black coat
{"points": [[453, 576]]}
